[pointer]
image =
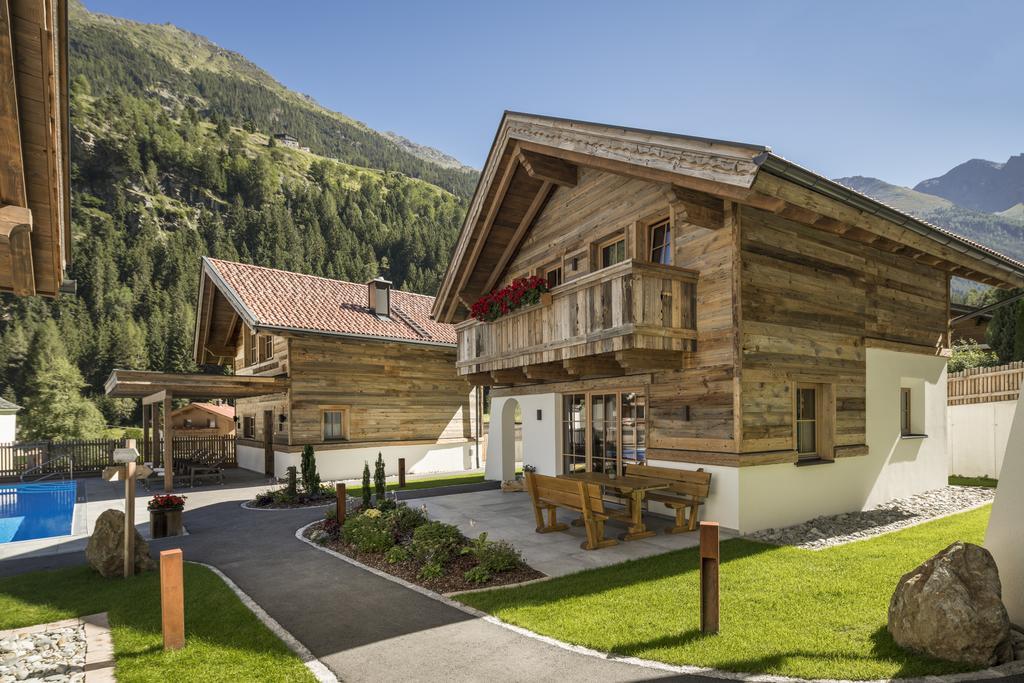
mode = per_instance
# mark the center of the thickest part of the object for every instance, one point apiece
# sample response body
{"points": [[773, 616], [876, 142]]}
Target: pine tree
{"points": [[310, 477], [379, 478], [366, 491]]}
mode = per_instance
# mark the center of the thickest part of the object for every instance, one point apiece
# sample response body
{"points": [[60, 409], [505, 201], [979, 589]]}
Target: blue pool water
{"points": [[39, 510]]}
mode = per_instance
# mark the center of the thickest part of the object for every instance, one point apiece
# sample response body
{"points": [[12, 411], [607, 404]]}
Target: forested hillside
{"points": [[171, 164]]}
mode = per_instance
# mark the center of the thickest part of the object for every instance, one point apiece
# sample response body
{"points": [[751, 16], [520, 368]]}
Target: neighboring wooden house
{"points": [[204, 419], [712, 305], [969, 324], [366, 371], [35, 224]]}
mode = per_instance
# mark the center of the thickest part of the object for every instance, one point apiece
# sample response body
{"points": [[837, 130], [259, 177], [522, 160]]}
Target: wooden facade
{"points": [[35, 225], [775, 280]]}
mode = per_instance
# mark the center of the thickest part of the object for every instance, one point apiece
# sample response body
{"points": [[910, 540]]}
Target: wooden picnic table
{"points": [[635, 488]]}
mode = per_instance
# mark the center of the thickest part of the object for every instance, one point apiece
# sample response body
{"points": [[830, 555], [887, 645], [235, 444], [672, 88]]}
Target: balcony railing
{"points": [[630, 305]]}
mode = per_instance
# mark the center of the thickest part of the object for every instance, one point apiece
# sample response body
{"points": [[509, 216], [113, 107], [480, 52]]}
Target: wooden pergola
{"points": [[157, 389]]}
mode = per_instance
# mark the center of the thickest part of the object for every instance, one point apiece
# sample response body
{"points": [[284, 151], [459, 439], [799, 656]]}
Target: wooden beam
{"points": [[548, 371], [593, 365], [508, 376], [157, 397], [479, 379], [16, 235], [549, 169], [650, 359], [168, 445], [524, 226], [697, 208], [12, 163]]}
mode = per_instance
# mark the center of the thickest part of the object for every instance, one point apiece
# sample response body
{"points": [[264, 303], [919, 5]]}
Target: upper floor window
{"points": [[249, 341], [266, 347], [661, 242], [612, 252], [553, 274]]}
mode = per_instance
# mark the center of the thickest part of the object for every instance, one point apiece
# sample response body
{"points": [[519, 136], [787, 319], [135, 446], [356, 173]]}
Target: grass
{"points": [[412, 484], [785, 611], [957, 480], [224, 641]]}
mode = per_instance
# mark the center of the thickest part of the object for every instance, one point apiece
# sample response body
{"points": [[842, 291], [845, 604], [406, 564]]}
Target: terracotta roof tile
{"points": [[222, 409], [279, 298]]}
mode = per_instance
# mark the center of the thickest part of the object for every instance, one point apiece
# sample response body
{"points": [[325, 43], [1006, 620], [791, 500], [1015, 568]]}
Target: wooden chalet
{"points": [[363, 369], [711, 305], [35, 224]]}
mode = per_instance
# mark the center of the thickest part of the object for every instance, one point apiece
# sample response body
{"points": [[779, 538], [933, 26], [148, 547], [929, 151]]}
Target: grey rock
{"points": [[105, 550], [950, 607]]}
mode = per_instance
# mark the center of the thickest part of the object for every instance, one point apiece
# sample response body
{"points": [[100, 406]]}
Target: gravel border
{"points": [[98, 660]]}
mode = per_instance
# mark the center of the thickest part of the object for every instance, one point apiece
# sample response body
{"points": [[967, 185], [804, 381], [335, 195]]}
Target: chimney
{"points": [[378, 291]]}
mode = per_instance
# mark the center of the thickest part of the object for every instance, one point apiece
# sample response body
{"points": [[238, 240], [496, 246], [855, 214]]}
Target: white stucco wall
{"points": [[347, 463], [781, 495], [539, 437], [977, 436], [8, 423], [1003, 536]]}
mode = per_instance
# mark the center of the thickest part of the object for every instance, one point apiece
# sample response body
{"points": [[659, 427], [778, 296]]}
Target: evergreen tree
{"points": [[310, 477], [379, 478]]}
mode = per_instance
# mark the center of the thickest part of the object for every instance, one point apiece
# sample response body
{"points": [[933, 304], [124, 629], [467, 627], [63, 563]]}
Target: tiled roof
{"points": [[279, 298], [223, 409], [7, 405]]}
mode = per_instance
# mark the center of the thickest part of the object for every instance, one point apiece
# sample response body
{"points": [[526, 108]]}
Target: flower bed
{"points": [[401, 541], [519, 293], [282, 499]]}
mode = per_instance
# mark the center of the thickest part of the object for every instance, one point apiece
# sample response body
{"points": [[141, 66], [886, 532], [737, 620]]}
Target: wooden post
{"points": [[401, 473], [145, 434], [168, 446], [172, 599], [129, 519], [154, 448], [341, 495], [709, 555]]}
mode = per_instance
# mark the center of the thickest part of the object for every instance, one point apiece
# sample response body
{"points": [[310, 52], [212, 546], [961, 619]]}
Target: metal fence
{"points": [[90, 456], [985, 385]]}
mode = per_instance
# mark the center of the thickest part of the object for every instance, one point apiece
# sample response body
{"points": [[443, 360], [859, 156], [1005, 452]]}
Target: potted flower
{"points": [[165, 513]]}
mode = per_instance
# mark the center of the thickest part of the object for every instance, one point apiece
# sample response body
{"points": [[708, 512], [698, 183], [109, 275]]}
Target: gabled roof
{"points": [[7, 406], [222, 409], [274, 300], [533, 155]]}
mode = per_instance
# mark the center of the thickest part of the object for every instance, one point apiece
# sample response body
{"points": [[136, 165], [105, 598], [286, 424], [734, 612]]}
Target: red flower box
{"points": [[166, 502], [524, 291]]}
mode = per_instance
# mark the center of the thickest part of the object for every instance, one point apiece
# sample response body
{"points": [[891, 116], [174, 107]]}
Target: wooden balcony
{"points": [[630, 316]]}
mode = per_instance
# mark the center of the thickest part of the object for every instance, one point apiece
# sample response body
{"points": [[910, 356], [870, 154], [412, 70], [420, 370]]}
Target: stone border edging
{"points": [[1000, 671], [318, 668]]}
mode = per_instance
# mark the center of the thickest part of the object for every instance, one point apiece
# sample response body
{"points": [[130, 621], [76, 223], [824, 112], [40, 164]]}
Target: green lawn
{"points": [[786, 611], [957, 480], [224, 641], [412, 484]]}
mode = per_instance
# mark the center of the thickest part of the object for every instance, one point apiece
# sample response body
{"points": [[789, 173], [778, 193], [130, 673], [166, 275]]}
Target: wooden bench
{"points": [[550, 493], [687, 491]]}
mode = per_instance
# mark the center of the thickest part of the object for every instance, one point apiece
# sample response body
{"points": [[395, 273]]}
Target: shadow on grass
{"points": [[628, 573], [911, 663]]}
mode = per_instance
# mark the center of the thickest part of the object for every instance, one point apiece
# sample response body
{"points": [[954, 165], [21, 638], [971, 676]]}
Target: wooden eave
{"points": [[218, 318], [35, 239], [143, 383]]}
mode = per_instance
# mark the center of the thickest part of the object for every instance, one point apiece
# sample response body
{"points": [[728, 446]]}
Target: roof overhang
{"points": [[35, 223], [532, 155], [143, 383]]}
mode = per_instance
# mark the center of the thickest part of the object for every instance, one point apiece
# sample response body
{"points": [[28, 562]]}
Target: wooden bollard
{"points": [[709, 556], [341, 495], [172, 598], [401, 473]]}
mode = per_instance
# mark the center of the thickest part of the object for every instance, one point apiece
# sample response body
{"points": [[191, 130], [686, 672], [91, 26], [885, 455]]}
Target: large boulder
{"points": [[105, 550], [951, 608]]}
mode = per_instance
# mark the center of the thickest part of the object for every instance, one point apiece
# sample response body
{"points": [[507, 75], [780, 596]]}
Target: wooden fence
{"points": [[91, 456], [985, 385]]}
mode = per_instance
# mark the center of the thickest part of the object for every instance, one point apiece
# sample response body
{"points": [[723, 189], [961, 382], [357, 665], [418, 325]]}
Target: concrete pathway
{"points": [[362, 626]]}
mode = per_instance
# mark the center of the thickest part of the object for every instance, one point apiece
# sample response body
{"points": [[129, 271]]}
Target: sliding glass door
{"points": [[603, 431]]}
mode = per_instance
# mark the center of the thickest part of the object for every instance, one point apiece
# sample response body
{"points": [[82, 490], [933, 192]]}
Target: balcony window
{"points": [[613, 252], [553, 274], [661, 243]]}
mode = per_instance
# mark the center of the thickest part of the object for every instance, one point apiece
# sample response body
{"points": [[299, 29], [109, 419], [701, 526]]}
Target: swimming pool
{"points": [[38, 510]]}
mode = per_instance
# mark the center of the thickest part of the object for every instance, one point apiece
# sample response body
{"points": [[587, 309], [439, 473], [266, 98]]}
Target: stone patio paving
{"points": [[509, 517]]}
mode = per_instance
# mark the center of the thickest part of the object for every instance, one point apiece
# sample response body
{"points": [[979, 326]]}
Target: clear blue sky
{"points": [[899, 90]]}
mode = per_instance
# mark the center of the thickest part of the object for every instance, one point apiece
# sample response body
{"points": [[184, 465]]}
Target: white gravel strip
{"points": [[55, 654], [828, 531]]}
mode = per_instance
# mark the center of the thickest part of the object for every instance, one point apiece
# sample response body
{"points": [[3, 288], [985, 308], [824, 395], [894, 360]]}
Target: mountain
{"points": [[1004, 233], [173, 158], [980, 185], [178, 67]]}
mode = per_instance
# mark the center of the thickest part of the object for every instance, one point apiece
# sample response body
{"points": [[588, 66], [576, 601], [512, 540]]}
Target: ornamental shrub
{"points": [[367, 534], [477, 575], [396, 555], [403, 520], [436, 542], [495, 556], [310, 478], [379, 478], [431, 570], [367, 494]]}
